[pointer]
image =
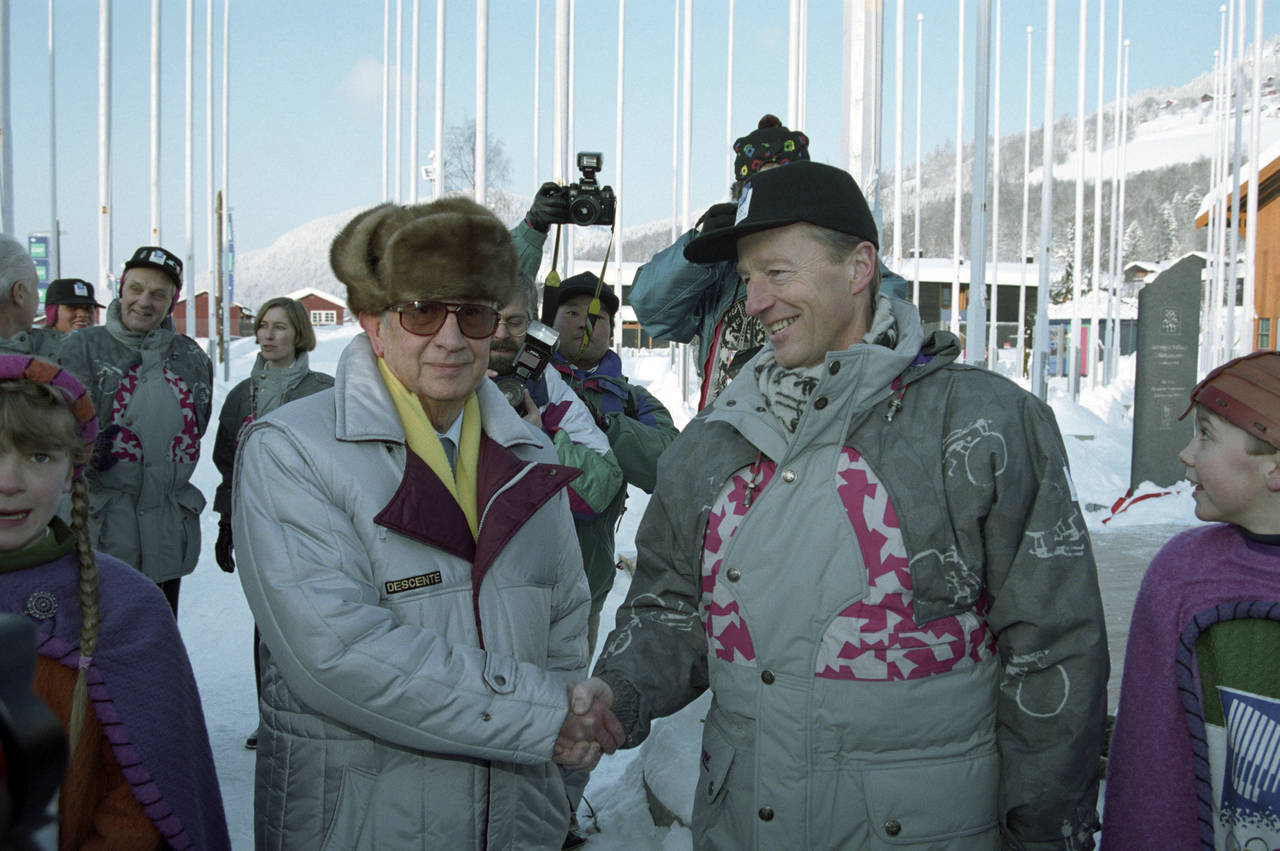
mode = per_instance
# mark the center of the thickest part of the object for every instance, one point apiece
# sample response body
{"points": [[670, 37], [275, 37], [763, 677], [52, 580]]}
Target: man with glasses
{"points": [[405, 543], [548, 403]]}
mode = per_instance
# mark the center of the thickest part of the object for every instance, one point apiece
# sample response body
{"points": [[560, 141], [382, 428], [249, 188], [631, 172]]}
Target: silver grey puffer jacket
{"points": [[413, 677]]}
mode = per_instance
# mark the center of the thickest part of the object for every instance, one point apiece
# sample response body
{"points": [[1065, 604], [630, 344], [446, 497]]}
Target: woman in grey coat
{"points": [[281, 373]]}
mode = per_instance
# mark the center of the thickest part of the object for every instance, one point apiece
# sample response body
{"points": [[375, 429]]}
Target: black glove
{"points": [[101, 459], [550, 207], [222, 549], [718, 216]]}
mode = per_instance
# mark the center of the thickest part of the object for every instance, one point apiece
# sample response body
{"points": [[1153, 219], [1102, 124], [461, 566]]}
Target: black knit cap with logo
{"points": [[770, 142], [155, 257], [806, 191]]}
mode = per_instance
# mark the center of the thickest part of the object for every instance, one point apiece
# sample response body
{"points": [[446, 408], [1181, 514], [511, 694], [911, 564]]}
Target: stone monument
{"points": [[1167, 355]]}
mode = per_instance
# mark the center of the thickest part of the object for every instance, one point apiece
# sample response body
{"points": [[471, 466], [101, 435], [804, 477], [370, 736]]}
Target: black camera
{"points": [[539, 345], [589, 202]]}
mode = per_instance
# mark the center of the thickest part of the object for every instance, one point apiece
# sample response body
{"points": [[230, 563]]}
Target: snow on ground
{"points": [[218, 629]]}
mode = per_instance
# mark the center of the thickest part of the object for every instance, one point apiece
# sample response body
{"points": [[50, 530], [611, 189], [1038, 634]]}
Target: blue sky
{"points": [[306, 98]]}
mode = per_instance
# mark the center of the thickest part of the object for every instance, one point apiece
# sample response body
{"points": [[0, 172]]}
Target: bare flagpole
{"points": [[993, 327], [976, 330], [386, 96], [959, 188], [226, 182], [728, 110], [1040, 340], [104, 147], [675, 124], [1077, 256], [154, 235], [898, 62], [1233, 288], [437, 188], [1026, 207], [398, 194], [617, 174], [6, 126], [686, 129], [1255, 151], [211, 223], [482, 102], [915, 278], [189, 158], [1116, 270], [415, 52], [55, 259], [1095, 322]]}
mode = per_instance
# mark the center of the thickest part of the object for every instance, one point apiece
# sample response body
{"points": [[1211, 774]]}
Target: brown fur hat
{"points": [[449, 249]]}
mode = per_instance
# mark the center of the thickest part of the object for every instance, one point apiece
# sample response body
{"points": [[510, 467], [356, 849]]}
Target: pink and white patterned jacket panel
{"points": [[875, 638]]}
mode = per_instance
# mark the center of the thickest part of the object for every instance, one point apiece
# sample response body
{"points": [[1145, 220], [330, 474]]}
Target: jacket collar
{"points": [[852, 380]]}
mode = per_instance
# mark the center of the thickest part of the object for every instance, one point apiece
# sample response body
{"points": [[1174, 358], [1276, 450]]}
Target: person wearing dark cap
{"points": [[1192, 760], [405, 544], [69, 305], [153, 390], [19, 299], [871, 553], [639, 428], [679, 299]]}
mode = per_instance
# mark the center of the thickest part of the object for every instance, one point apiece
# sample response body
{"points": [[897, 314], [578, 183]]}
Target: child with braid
{"points": [[111, 663]]}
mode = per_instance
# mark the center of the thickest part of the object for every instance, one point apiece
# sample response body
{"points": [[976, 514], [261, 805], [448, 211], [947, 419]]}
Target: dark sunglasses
{"points": [[425, 318]]}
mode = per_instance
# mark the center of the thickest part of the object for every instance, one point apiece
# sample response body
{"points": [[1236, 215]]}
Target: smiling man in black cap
{"points": [[69, 305], [153, 389], [872, 555]]}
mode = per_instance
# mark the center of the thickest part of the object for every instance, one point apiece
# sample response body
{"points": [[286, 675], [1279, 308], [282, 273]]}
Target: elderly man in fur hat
{"points": [[407, 549]]}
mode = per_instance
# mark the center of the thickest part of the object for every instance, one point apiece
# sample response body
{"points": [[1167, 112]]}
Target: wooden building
{"points": [[1266, 268]]}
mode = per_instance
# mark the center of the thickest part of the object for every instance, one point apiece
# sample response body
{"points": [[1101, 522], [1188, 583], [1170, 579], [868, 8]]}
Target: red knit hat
{"points": [[1246, 393]]}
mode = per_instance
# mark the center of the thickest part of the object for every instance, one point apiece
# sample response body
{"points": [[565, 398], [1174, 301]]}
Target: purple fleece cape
{"points": [[1151, 773], [141, 689]]}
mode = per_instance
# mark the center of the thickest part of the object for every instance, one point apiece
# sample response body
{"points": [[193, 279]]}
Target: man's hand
{"points": [[531, 413], [550, 207], [718, 216], [222, 549], [590, 728]]}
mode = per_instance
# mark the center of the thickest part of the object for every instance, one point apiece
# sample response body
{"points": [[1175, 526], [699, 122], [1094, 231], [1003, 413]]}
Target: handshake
{"points": [[590, 728]]}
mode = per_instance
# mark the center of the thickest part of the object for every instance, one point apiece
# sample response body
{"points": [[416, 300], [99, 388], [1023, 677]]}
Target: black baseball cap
{"points": [[804, 191], [71, 291], [584, 283], [157, 258]]}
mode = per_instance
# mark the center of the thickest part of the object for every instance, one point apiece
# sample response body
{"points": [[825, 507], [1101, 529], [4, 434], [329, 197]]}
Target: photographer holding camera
{"points": [[541, 397], [583, 203]]}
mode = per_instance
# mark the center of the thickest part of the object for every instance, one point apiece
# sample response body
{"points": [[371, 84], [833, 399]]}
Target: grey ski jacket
{"points": [[154, 395], [413, 678], [899, 621]]}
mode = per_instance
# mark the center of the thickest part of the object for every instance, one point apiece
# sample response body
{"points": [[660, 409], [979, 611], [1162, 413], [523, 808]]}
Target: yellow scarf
{"points": [[420, 434]]}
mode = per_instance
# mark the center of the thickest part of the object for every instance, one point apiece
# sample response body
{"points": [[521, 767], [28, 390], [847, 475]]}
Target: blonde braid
{"points": [[89, 618]]}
